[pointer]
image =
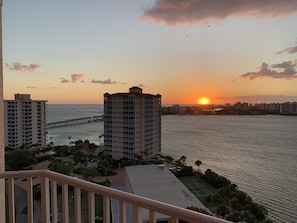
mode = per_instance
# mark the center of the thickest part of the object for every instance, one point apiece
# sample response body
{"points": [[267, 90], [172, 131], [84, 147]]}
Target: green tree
{"points": [[80, 158], [91, 148], [223, 192], [62, 150], [242, 197], [138, 157], [168, 158], [198, 163], [19, 159], [89, 173], [104, 163], [235, 204], [236, 216], [258, 211], [222, 210], [182, 160], [61, 167], [216, 198]]}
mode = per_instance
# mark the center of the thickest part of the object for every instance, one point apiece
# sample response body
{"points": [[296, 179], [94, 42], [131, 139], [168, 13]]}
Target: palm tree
{"points": [[198, 163], [181, 161], [105, 166], [105, 162], [80, 157]]}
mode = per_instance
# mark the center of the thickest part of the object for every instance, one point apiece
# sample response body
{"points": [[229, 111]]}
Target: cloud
{"points": [[74, 78], [177, 12], [141, 85], [285, 70], [31, 87], [293, 50], [17, 66], [289, 50], [63, 80], [108, 81]]}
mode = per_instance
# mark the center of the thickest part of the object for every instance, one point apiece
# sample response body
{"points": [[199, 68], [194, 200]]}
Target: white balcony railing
{"points": [[55, 208]]}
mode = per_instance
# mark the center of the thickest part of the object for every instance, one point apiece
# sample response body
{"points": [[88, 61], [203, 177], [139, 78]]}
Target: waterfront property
{"points": [[25, 122], [50, 181], [158, 183], [132, 124]]}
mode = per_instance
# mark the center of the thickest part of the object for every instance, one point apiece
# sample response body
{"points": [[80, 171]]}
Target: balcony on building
{"points": [[79, 202]]}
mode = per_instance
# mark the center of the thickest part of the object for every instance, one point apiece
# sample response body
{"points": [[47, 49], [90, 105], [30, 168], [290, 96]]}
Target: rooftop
{"points": [[158, 183]]}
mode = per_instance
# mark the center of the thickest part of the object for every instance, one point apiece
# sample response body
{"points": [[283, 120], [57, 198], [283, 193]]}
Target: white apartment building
{"points": [[288, 108], [25, 122], [132, 124]]}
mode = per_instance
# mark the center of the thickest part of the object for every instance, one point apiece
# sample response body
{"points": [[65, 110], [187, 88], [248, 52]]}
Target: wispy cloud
{"points": [[289, 50], [285, 70], [32, 87], [177, 12], [63, 80], [17, 66], [74, 78], [108, 81], [142, 85]]}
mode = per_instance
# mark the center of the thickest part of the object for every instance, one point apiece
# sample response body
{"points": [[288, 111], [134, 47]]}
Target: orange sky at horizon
{"points": [[77, 55]]}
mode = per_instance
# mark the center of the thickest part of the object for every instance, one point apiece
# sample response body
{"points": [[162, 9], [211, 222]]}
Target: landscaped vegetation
{"points": [[79, 159], [216, 192], [219, 195]]}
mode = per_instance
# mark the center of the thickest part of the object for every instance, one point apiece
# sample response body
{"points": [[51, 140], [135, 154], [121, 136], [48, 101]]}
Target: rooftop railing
{"points": [[55, 202]]}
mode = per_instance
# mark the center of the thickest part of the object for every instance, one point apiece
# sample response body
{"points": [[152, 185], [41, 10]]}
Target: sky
{"points": [[74, 51]]}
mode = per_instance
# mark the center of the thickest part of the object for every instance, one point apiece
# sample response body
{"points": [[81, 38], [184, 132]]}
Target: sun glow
{"points": [[203, 101]]}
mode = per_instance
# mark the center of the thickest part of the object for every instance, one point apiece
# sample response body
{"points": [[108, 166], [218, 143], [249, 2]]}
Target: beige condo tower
{"points": [[132, 124]]}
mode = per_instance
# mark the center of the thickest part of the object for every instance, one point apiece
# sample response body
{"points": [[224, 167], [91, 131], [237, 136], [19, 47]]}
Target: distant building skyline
{"points": [[238, 108]]}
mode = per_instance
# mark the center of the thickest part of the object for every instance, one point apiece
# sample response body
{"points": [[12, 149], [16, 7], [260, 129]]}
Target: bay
{"points": [[258, 153]]}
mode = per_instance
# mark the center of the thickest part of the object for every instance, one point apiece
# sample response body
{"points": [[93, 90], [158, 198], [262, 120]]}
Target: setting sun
{"points": [[203, 101]]}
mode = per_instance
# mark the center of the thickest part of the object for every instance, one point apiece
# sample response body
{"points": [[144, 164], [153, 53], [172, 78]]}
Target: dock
{"points": [[76, 121]]}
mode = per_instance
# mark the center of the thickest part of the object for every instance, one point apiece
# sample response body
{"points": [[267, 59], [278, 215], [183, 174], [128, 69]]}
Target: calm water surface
{"points": [[258, 153]]}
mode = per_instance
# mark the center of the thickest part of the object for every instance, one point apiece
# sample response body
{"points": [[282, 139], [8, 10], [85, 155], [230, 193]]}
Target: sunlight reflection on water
{"points": [[258, 153]]}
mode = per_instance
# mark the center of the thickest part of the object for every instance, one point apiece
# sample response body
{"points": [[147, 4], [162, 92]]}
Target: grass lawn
{"points": [[199, 188]]}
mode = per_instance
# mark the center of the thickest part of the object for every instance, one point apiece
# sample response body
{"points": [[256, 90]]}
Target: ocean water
{"points": [[258, 153], [65, 135]]}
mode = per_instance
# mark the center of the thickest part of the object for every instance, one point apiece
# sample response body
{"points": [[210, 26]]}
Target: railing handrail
{"points": [[134, 199]]}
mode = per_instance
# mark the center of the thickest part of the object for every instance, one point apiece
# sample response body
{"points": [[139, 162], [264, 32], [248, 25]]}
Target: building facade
{"points": [[25, 122], [288, 108], [132, 124]]}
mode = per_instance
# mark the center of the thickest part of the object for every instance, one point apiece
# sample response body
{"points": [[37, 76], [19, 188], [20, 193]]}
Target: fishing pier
{"points": [[76, 121]]}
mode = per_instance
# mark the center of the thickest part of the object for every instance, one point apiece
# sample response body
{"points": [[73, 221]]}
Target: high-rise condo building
{"points": [[25, 122], [132, 124]]}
